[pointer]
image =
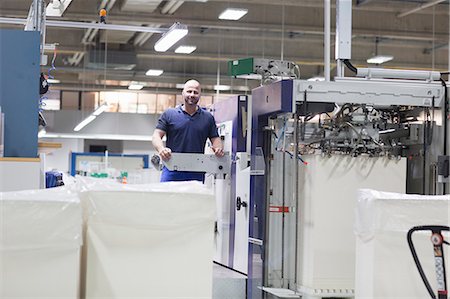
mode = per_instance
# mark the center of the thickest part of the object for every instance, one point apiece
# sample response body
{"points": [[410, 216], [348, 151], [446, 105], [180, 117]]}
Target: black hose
{"points": [[350, 66], [434, 229]]}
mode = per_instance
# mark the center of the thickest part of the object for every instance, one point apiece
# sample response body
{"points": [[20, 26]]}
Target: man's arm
{"points": [[164, 152], [217, 146]]}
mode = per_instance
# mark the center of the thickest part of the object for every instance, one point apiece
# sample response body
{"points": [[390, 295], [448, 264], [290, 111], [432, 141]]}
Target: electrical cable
{"points": [[350, 65], [50, 76]]}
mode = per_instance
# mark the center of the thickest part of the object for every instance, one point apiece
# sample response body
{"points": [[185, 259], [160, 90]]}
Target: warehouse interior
{"points": [[332, 115]]}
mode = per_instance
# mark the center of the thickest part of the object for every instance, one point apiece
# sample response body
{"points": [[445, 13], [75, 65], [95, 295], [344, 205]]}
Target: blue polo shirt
{"points": [[186, 134]]}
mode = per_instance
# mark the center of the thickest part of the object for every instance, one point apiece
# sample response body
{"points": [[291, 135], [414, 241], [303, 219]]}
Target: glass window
{"points": [[146, 103], [165, 101], [70, 100]]}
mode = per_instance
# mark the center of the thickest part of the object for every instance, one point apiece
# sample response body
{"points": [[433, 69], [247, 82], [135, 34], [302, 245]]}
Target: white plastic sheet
{"points": [[148, 241], [385, 268], [40, 239], [327, 200]]}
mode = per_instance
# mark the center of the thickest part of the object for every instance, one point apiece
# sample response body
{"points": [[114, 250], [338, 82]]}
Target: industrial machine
{"points": [[318, 151], [314, 143]]}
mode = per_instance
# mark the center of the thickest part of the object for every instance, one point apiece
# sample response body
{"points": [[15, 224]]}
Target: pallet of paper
{"points": [[148, 241], [385, 268], [40, 240]]}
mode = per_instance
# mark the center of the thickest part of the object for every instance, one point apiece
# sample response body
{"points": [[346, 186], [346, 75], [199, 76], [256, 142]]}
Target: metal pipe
{"points": [[327, 34], [295, 198], [167, 7], [84, 25], [175, 7], [283, 192], [420, 7], [398, 74]]}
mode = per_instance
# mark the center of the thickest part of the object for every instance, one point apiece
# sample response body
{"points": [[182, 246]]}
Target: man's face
{"points": [[191, 94]]}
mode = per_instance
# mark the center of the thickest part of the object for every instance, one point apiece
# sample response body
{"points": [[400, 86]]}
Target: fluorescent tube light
{"points": [[179, 85], [135, 86], [176, 32], [154, 72], [233, 14], [82, 124], [57, 8], [53, 81], [185, 49], [250, 76], [379, 59], [100, 110], [222, 87]]}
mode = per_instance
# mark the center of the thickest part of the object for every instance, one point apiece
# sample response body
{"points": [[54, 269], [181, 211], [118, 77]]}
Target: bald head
{"points": [[191, 93], [192, 84]]}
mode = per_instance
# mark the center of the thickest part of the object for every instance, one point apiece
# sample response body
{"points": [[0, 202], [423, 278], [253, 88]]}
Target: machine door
{"points": [[242, 207]]}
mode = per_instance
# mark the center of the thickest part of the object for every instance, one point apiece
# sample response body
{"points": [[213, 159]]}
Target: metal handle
{"points": [[240, 203]]}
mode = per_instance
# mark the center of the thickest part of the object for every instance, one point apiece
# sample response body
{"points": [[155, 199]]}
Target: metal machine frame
{"points": [[282, 99]]}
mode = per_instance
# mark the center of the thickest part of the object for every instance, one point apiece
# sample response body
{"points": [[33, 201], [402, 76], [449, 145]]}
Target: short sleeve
{"points": [[163, 122], [213, 128]]}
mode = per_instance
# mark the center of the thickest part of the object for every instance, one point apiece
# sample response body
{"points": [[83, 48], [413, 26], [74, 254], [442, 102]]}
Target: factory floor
{"points": [[228, 284]]}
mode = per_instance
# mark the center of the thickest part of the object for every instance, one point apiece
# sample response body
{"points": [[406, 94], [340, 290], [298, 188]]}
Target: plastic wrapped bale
{"points": [[149, 241], [385, 268], [328, 189], [40, 240]]}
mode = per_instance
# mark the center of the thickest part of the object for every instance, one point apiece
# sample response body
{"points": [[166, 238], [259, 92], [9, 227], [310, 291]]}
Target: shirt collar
{"points": [[199, 109]]}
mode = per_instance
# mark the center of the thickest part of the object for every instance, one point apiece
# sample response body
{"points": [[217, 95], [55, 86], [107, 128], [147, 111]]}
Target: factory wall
{"points": [[108, 129]]}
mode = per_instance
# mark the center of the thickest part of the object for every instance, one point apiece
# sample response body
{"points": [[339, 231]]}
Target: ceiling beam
{"points": [[419, 8]]}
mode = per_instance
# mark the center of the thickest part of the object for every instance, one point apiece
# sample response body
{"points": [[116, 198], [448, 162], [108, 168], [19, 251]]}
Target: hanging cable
{"points": [[350, 65], [52, 68]]}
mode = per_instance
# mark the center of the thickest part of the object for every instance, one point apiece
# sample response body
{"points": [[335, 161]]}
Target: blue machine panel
{"points": [[267, 101], [19, 91], [233, 109]]}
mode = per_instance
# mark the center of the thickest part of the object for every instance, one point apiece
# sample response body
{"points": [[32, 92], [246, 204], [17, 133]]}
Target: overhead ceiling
{"points": [[274, 29]]}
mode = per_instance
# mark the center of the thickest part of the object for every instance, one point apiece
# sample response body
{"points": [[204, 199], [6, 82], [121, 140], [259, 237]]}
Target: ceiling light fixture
{"points": [[233, 14], [152, 72], [185, 49], [87, 120], [82, 124], [222, 87], [379, 59], [100, 109], [57, 8], [135, 86], [53, 81], [176, 32]]}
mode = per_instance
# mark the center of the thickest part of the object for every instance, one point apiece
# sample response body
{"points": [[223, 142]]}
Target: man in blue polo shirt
{"points": [[187, 128]]}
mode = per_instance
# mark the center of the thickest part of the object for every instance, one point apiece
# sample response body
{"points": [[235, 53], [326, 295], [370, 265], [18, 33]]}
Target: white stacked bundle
{"points": [[385, 268], [327, 199], [40, 240], [147, 241]]}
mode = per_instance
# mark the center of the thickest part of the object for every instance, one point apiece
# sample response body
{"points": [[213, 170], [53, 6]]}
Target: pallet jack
{"points": [[437, 240]]}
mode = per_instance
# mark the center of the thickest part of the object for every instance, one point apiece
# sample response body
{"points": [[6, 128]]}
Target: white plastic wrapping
{"points": [[327, 200], [40, 239], [384, 264], [146, 241]]}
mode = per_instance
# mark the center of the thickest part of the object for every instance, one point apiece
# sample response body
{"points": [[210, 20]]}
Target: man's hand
{"points": [[165, 153], [218, 151]]}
